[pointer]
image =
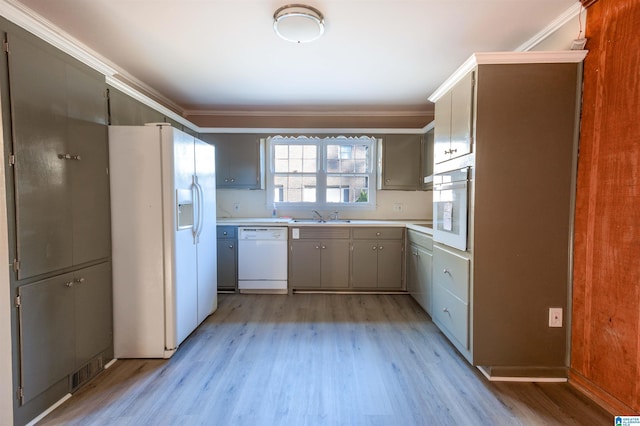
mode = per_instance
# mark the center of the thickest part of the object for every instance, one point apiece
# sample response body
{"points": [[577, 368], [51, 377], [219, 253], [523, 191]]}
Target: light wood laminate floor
{"points": [[312, 359]]}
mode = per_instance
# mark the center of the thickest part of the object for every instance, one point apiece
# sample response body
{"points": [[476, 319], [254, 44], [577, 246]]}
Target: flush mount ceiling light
{"points": [[298, 23]]}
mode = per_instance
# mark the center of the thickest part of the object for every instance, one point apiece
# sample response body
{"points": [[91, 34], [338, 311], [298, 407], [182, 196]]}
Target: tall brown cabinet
{"points": [[55, 137], [510, 119]]}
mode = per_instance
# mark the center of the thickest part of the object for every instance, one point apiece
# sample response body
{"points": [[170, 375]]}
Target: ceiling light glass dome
{"points": [[298, 23]]}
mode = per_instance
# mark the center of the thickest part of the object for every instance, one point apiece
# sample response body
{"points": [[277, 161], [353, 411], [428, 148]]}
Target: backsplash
{"points": [[413, 205]]}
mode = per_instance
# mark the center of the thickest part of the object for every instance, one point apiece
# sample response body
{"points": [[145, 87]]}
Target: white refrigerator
{"points": [[163, 216]]}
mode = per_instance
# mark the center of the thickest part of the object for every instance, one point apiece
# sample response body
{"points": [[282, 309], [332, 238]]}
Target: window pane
{"points": [[347, 158], [295, 158], [295, 188], [347, 189]]}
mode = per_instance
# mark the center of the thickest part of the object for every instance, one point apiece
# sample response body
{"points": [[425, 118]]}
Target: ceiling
{"points": [[222, 57]]}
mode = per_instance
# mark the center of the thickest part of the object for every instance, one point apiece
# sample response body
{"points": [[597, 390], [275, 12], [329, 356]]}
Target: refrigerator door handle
{"points": [[200, 199]]}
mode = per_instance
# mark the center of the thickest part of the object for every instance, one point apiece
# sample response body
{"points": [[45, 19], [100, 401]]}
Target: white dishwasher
{"points": [[262, 260]]}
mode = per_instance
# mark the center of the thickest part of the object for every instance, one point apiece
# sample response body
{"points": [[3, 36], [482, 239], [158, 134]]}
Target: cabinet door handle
{"points": [[378, 234], [233, 179], [69, 157], [324, 247], [445, 310], [69, 283], [79, 280], [446, 271], [317, 247], [374, 247], [380, 247], [231, 246], [224, 233]]}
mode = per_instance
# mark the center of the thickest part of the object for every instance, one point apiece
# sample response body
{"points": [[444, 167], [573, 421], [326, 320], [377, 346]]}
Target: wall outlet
{"points": [[236, 207], [398, 207], [555, 317]]}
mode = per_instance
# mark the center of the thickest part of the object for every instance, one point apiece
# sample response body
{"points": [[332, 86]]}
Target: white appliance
{"points": [[262, 260], [163, 216], [450, 200]]}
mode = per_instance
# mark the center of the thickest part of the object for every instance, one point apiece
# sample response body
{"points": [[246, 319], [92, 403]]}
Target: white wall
{"points": [[561, 38], [415, 205]]}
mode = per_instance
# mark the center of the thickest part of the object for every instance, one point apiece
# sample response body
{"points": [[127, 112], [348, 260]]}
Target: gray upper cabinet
{"points": [[239, 160], [61, 161], [454, 120], [399, 162], [427, 160], [126, 111]]}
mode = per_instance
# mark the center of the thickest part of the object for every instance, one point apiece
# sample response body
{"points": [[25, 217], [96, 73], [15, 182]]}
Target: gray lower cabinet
{"points": [[65, 322], [319, 259], [451, 295], [227, 258], [377, 258], [419, 268]]}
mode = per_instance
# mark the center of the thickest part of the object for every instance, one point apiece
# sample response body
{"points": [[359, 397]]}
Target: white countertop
{"points": [[417, 225]]}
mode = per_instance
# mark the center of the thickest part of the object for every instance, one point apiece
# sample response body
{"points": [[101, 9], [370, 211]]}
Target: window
{"points": [[321, 173]]}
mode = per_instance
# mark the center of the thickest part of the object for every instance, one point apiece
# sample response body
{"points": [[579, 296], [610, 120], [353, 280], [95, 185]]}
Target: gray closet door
{"points": [[88, 176], [43, 201], [47, 352], [93, 308]]}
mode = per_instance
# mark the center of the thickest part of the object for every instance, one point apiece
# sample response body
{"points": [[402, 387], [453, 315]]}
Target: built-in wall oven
{"points": [[450, 201]]}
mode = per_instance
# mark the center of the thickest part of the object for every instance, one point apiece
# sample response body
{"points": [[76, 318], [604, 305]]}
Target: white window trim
{"points": [[321, 142]]}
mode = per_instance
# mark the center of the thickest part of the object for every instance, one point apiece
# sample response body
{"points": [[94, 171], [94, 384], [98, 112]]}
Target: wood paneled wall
{"points": [[605, 354]]}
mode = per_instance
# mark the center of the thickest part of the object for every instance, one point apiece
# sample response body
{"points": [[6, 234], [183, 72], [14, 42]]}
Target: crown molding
{"points": [[47, 31], [311, 131], [555, 25], [44, 29], [524, 48], [537, 57], [587, 3], [307, 113]]}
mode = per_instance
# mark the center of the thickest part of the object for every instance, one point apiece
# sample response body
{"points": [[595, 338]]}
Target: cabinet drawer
{"points": [[378, 233], [420, 239], [227, 231], [452, 314], [451, 271], [322, 232]]}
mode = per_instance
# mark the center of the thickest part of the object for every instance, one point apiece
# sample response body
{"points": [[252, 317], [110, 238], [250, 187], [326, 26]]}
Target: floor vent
{"points": [[86, 373]]}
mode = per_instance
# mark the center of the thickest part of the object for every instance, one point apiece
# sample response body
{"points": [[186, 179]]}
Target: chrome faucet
{"points": [[320, 218]]}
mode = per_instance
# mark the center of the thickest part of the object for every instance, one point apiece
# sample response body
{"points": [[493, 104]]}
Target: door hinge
{"points": [[16, 265], [18, 302], [5, 46], [20, 395], [12, 159]]}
